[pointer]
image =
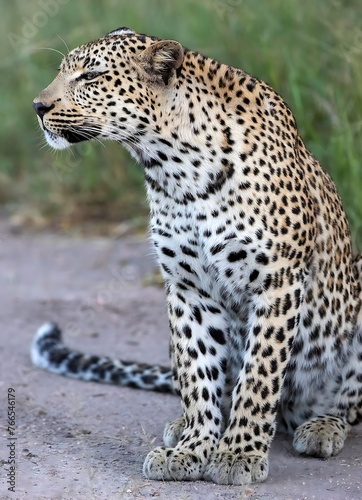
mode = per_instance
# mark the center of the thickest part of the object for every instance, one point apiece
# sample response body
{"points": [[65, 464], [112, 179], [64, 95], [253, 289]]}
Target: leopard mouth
{"points": [[68, 137], [76, 134]]}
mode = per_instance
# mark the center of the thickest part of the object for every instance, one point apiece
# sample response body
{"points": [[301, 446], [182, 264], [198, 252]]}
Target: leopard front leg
{"points": [[199, 356], [173, 432], [242, 454]]}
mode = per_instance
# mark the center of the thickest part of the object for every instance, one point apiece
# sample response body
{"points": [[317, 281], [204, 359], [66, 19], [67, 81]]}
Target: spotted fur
{"points": [[263, 292]]}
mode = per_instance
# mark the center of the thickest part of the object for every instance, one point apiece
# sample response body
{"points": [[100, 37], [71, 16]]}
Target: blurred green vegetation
{"points": [[310, 52]]}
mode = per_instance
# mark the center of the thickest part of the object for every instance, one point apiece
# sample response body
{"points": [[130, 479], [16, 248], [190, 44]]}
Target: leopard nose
{"points": [[42, 108]]}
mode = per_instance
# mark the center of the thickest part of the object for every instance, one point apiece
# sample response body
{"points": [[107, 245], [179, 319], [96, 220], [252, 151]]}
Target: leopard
{"points": [[262, 285]]}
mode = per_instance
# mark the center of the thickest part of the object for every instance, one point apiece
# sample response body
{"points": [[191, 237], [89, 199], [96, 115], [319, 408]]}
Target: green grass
{"points": [[310, 52]]}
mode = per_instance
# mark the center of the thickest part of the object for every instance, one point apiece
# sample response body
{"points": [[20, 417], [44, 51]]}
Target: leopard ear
{"points": [[162, 59]]}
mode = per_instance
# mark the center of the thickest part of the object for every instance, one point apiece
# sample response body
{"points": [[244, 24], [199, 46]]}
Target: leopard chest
{"points": [[203, 248]]}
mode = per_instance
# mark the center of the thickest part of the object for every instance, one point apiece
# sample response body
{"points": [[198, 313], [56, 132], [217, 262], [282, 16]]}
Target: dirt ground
{"points": [[77, 440]]}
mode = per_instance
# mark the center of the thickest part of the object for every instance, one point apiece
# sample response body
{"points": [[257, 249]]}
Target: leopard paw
{"points": [[321, 436], [228, 468], [173, 432], [168, 464]]}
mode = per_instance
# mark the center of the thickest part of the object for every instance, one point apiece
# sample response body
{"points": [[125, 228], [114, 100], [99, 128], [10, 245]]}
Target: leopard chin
{"points": [[56, 141]]}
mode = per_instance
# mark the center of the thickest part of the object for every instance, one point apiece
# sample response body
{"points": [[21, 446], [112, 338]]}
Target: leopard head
{"points": [[113, 88]]}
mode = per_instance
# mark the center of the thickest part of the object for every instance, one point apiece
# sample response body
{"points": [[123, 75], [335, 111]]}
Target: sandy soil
{"points": [[77, 440]]}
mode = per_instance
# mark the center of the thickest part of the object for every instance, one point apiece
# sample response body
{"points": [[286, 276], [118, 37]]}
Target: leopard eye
{"points": [[90, 75]]}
